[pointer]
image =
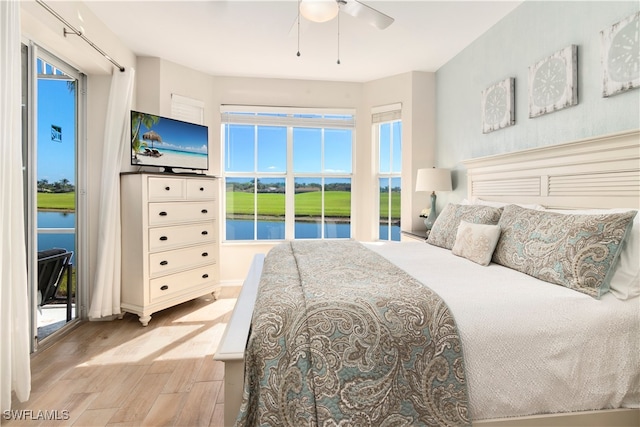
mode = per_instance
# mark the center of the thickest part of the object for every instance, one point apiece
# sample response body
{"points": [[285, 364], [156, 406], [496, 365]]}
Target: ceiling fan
{"points": [[326, 10]]}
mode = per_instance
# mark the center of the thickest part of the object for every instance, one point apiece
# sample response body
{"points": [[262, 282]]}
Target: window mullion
{"points": [[289, 215], [255, 182], [389, 181]]}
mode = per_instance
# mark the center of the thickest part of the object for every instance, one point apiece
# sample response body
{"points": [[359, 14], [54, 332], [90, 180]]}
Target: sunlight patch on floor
{"points": [[203, 342], [145, 346], [209, 312]]}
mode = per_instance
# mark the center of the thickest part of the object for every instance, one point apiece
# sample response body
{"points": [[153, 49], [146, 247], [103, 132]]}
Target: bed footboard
{"points": [[234, 341], [605, 417]]}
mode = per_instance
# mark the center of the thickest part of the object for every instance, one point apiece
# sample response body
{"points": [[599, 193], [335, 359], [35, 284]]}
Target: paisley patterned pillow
{"points": [[476, 242], [575, 251], [445, 228]]}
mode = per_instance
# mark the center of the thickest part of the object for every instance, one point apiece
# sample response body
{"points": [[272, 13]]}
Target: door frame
{"points": [[80, 259]]}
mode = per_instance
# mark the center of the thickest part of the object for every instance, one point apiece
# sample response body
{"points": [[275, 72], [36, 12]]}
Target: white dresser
{"points": [[169, 240]]}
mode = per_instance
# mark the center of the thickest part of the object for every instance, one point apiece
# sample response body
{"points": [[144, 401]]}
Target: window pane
{"points": [[385, 148], [337, 208], [337, 150], [308, 208], [397, 147], [395, 195], [385, 211], [271, 203], [390, 208], [240, 208], [272, 149], [239, 148], [307, 152]]}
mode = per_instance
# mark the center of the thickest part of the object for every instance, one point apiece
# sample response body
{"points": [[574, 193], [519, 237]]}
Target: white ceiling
{"points": [[259, 38]]}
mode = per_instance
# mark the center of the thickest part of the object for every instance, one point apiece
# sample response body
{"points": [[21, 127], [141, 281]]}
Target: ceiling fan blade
{"points": [[367, 13]]}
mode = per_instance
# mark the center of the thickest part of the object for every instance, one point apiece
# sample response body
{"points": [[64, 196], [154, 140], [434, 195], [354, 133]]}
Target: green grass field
{"points": [[337, 204], [57, 201]]}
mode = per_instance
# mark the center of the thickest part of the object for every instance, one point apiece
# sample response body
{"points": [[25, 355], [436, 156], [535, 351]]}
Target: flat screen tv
{"points": [[168, 143]]}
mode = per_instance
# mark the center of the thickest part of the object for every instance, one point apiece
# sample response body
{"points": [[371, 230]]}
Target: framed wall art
{"points": [[621, 56], [498, 110], [553, 82]]}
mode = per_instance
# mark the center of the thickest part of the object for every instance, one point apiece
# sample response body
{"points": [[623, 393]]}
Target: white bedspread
{"points": [[529, 346]]}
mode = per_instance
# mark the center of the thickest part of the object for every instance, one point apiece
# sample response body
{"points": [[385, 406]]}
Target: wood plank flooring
{"points": [[119, 373]]}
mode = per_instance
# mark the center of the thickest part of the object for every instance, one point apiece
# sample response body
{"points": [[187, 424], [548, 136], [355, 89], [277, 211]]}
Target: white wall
{"points": [[533, 31], [414, 90], [42, 28], [157, 79]]}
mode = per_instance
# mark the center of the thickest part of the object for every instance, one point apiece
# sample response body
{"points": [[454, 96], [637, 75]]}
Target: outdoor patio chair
{"points": [[52, 264]]}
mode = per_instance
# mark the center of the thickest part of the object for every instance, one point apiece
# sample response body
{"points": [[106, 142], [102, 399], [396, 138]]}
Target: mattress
{"points": [[530, 347]]}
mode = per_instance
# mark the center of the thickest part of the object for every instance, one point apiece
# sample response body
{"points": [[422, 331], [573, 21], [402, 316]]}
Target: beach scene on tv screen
{"points": [[160, 141]]}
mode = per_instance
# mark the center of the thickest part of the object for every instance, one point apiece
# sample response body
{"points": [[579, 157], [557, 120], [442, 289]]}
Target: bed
{"points": [[532, 352]]}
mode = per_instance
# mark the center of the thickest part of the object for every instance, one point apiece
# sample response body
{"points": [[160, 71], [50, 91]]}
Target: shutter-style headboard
{"points": [[600, 172]]}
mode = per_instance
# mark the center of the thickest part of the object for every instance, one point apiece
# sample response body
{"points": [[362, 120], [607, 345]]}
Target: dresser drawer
{"points": [[166, 189], [180, 259], [164, 238], [201, 189], [174, 284], [172, 213]]}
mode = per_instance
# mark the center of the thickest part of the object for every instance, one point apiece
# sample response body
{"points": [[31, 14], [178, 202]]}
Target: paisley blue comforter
{"points": [[342, 337]]}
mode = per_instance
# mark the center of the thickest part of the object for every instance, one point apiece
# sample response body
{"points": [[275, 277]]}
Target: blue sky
{"points": [[177, 135], [56, 106], [272, 150]]}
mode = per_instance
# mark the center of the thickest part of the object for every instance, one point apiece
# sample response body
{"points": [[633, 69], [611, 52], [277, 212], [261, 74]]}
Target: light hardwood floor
{"points": [[120, 373]]}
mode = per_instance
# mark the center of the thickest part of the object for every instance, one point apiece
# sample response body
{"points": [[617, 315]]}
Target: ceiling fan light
{"points": [[319, 10]]}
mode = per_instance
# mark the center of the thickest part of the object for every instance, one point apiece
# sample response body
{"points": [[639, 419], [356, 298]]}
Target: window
{"points": [[287, 173], [388, 132]]}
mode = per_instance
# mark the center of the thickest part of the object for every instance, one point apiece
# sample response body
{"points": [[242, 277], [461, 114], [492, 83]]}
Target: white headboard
{"points": [[600, 172]]}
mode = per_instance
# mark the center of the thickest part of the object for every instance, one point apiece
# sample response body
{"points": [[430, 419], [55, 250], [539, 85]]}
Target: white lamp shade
{"points": [[319, 10], [433, 179]]}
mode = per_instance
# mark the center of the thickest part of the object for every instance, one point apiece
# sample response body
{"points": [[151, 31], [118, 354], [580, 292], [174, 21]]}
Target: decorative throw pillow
{"points": [[625, 281], [444, 230], [476, 242], [576, 251]]}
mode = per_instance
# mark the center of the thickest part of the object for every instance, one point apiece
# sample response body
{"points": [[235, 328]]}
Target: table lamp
{"points": [[433, 179]]}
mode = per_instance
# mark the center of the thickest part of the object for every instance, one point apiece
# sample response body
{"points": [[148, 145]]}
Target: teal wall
{"points": [[533, 31]]}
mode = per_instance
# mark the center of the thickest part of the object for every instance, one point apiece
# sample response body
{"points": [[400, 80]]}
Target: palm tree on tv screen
{"points": [[137, 120]]}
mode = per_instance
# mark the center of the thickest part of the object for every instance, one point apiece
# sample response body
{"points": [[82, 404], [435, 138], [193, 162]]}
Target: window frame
{"points": [[389, 114], [290, 118]]}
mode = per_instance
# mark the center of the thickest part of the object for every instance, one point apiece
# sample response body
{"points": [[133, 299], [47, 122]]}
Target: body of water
{"points": [[52, 219], [272, 230], [236, 230]]}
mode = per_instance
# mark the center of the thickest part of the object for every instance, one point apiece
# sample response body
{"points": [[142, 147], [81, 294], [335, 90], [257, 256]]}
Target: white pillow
{"points": [[625, 283], [476, 242]]}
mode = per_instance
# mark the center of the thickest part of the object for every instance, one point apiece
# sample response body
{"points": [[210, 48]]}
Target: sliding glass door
{"points": [[53, 103]]}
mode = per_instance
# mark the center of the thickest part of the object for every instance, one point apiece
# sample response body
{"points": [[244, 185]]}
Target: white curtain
{"points": [[15, 371], [105, 299]]}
